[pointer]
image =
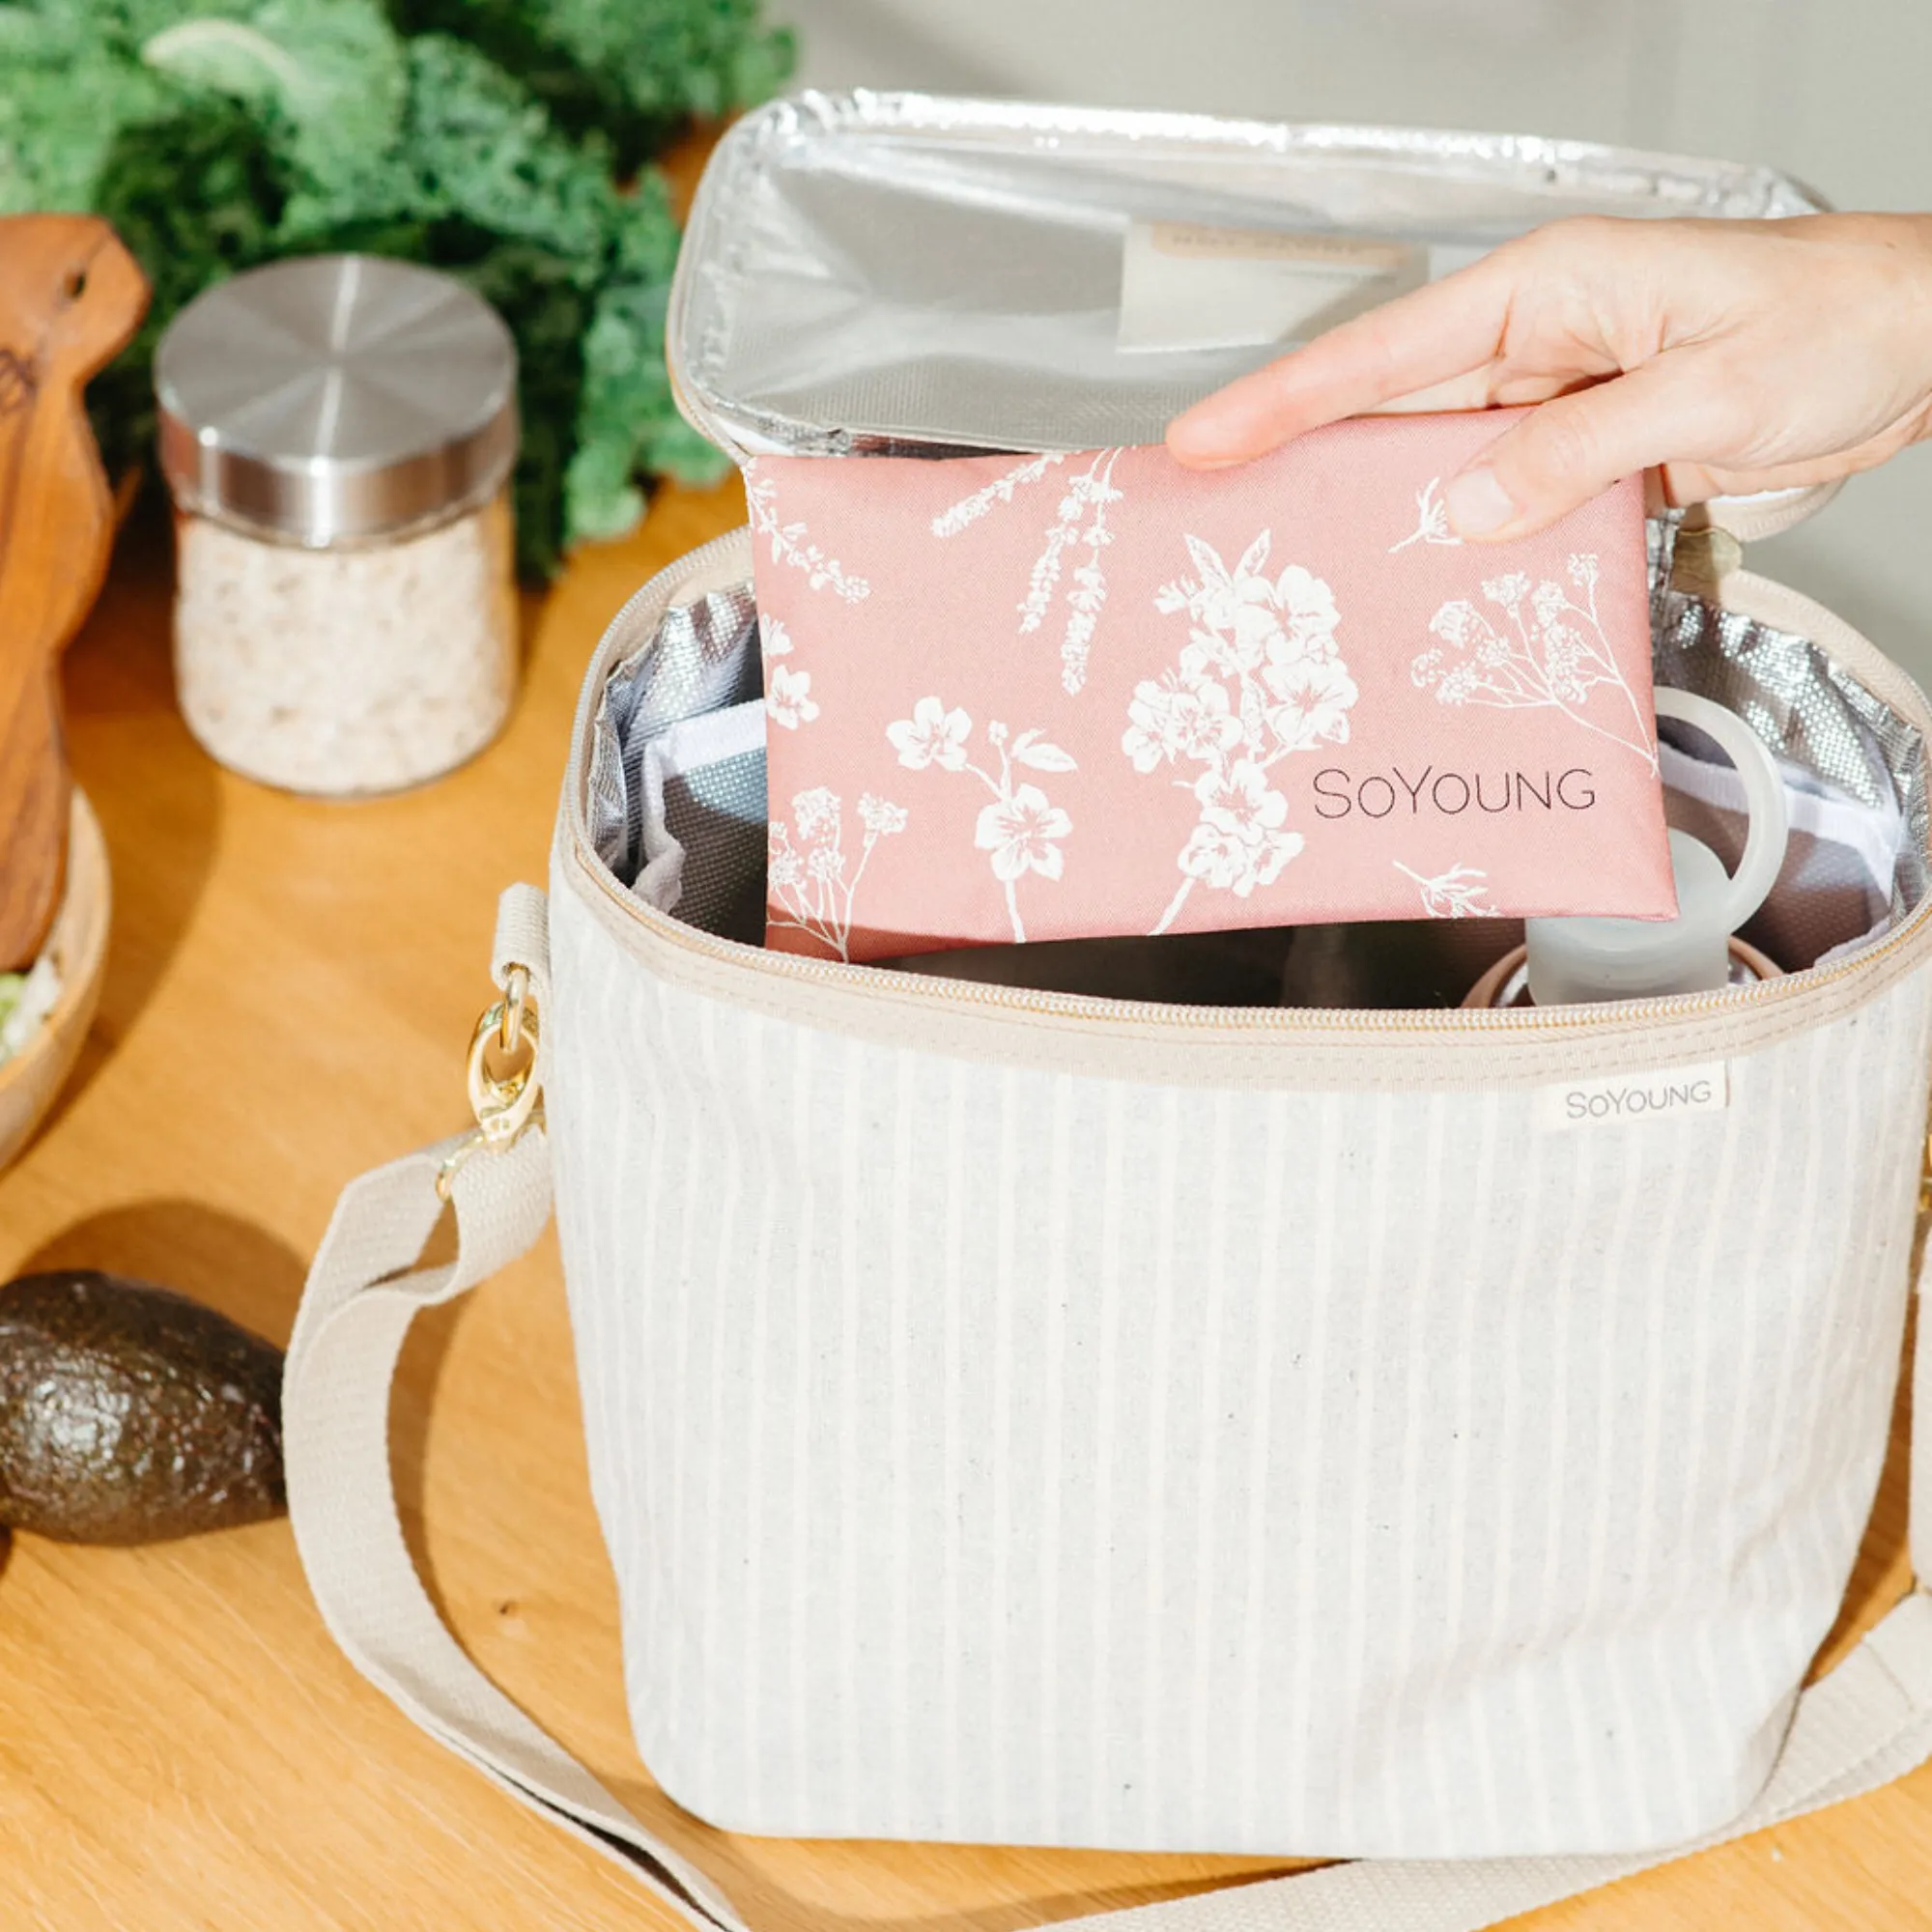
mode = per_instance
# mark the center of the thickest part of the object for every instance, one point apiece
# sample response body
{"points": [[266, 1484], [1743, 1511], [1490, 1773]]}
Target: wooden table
{"points": [[290, 992]]}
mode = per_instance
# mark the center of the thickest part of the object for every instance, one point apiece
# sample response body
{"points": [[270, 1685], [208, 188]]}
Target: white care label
{"points": [[1624, 1098], [1185, 284]]}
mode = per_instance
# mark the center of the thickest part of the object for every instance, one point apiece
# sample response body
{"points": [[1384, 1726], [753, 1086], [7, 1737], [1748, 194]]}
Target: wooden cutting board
{"points": [[71, 297]]}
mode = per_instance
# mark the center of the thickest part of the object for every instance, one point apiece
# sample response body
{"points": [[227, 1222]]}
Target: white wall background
{"points": [[1836, 92]]}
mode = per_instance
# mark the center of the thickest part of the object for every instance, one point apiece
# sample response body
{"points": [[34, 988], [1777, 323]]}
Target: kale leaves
{"points": [[486, 137]]}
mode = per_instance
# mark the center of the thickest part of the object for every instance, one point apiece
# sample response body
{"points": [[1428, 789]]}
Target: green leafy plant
{"points": [[504, 141], [631, 70]]}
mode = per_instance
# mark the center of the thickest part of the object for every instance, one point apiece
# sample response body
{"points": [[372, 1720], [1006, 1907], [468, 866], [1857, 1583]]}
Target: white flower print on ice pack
{"points": [[1432, 525], [1259, 679], [1455, 894], [788, 700], [1020, 831], [806, 863], [1080, 523], [1001, 490], [932, 736], [791, 543], [1239, 843], [1547, 652]]}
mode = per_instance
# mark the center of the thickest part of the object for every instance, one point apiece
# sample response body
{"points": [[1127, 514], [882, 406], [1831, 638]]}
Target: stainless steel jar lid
{"points": [[336, 397]]}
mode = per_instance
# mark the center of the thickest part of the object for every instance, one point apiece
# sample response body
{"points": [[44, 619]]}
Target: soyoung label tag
{"points": [[1184, 285], [1620, 1099]]}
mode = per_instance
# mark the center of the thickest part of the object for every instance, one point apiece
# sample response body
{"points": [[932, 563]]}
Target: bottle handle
{"points": [[1764, 796]]}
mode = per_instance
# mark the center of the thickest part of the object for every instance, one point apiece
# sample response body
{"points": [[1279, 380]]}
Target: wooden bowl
{"points": [[32, 1079]]}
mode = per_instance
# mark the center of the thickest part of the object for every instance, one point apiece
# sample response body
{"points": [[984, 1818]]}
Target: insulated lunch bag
{"points": [[1148, 1414]]}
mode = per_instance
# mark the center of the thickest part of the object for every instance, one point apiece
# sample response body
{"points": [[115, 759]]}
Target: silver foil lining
{"points": [[703, 657], [1820, 723], [892, 270]]}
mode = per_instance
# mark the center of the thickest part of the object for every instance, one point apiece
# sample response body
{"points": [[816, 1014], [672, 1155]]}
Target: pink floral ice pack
{"points": [[1066, 696]]}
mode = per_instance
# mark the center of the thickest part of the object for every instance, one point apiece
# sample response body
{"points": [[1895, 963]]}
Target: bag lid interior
{"points": [[867, 272]]}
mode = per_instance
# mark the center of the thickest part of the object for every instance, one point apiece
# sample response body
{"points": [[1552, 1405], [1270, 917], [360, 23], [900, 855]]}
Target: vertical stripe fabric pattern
{"points": [[992, 1454]]}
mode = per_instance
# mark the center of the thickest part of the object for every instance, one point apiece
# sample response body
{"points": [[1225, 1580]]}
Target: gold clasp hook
{"points": [[511, 1007], [504, 1098]]}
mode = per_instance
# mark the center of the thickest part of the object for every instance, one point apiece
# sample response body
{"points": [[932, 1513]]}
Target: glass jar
{"points": [[337, 433]]}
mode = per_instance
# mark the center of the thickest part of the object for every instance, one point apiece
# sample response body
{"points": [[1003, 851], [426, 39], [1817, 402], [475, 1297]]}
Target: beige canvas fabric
{"points": [[1870, 1721], [1019, 1456]]}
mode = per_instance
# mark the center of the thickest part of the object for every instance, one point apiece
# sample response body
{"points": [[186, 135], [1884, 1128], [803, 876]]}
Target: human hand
{"points": [[1737, 357]]}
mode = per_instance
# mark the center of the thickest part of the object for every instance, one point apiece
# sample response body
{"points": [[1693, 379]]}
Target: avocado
{"points": [[132, 1414]]}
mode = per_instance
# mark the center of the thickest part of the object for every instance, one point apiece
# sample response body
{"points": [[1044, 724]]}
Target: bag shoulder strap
{"points": [[1866, 1724]]}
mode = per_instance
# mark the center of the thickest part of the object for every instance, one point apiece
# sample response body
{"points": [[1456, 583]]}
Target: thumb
{"points": [[1573, 447]]}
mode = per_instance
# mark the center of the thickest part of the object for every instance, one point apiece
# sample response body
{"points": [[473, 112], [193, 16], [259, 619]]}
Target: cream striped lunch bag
{"points": [[1031, 1418]]}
